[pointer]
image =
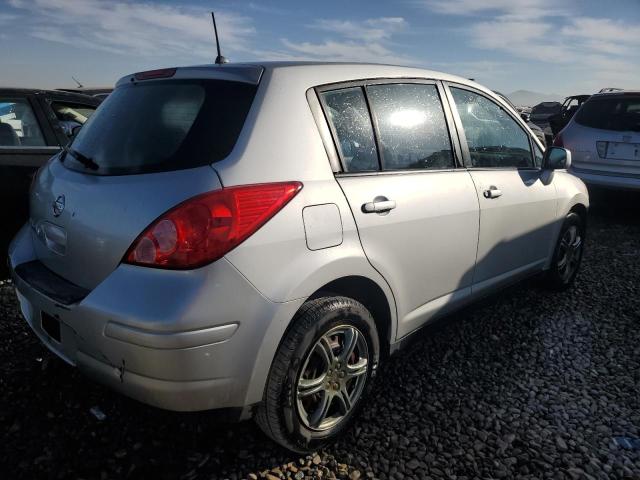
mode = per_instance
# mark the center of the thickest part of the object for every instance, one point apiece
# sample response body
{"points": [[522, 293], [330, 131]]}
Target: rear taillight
{"points": [[602, 149], [206, 227], [558, 141]]}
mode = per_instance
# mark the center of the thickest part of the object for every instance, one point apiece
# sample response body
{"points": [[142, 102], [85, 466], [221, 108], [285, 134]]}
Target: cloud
{"points": [[533, 40], [7, 18], [139, 28], [373, 29], [603, 35], [515, 9], [591, 51], [344, 51], [155, 30], [369, 40]]}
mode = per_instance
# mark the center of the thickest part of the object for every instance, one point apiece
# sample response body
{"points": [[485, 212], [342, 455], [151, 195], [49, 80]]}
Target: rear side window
{"points": [[619, 113], [348, 114], [163, 125], [18, 125], [494, 139], [411, 126]]}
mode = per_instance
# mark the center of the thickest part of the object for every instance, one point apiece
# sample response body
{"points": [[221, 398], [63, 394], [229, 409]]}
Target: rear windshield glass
{"points": [[620, 113], [162, 125]]}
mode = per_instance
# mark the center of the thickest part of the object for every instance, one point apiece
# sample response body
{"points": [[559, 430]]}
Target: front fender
{"points": [[571, 192]]}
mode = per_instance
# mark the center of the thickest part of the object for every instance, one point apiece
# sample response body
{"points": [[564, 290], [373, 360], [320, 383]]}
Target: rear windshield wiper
{"points": [[85, 161]]}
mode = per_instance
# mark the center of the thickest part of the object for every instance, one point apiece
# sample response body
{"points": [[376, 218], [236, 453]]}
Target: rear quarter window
{"points": [[164, 125]]}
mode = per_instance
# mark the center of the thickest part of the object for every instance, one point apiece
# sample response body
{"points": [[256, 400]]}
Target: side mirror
{"points": [[75, 130], [556, 158], [525, 116]]}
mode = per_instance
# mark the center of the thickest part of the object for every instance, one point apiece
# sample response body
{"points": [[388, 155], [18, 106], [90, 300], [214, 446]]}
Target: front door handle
{"points": [[379, 205], [492, 192]]}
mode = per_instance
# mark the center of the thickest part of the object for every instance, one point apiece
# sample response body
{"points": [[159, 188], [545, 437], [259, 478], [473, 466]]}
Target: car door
{"points": [[517, 199], [416, 209], [26, 143]]}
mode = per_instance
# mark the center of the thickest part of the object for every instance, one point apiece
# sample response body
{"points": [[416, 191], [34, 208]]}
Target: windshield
{"points": [[619, 113], [162, 125]]}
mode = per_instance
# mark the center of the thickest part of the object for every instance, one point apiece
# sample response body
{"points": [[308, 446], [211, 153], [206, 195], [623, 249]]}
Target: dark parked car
{"points": [[569, 107], [541, 113], [98, 92], [34, 125]]}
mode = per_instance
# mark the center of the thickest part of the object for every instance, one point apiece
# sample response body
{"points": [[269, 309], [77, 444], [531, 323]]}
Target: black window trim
{"points": [[362, 84], [463, 139]]}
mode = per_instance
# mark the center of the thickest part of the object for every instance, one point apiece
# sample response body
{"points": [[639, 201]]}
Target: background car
{"points": [[98, 92], [604, 139], [540, 115], [34, 125], [569, 107]]}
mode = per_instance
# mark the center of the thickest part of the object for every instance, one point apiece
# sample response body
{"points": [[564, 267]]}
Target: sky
{"points": [[551, 46]]}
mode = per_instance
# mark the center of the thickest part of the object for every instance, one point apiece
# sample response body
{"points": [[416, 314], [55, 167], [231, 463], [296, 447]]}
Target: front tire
{"points": [[322, 370], [567, 255]]}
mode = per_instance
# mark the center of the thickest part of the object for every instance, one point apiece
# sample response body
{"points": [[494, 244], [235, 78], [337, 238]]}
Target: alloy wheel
{"points": [[569, 253], [332, 378]]}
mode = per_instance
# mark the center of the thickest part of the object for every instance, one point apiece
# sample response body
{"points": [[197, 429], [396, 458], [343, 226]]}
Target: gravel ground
{"points": [[529, 384]]}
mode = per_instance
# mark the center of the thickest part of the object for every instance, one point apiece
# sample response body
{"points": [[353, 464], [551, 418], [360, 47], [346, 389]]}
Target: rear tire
{"points": [[322, 370], [567, 255]]}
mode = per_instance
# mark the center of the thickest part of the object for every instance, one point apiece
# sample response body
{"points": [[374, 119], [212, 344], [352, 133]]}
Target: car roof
{"points": [[87, 90], [308, 73], [618, 93], [578, 96], [40, 91]]}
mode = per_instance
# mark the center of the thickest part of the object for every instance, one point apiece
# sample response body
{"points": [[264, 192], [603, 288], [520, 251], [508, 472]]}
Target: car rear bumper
{"points": [[601, 179], [179, 340]]}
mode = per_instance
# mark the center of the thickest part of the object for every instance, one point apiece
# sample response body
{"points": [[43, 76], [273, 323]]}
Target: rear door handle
{"points": [[379, 205], [492, 192]]}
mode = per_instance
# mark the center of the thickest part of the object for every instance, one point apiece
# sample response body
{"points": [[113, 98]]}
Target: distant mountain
{"points": [[527, 98]]}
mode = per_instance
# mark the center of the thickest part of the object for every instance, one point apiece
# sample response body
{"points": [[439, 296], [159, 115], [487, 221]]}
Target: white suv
{"points": [[604, 138], [259, 237]]}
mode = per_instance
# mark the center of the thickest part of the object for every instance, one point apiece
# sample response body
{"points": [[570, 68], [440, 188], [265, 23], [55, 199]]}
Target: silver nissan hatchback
{"points": [[259, 237]]}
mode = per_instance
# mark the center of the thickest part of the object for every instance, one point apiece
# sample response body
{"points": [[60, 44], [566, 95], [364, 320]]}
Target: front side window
{"points": [[348, 113], [18, 124], [494, 139], [411, 125]]}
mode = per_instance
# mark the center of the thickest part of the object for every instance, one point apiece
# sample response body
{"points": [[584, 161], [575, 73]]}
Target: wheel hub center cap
{"points": [[336, 376]]}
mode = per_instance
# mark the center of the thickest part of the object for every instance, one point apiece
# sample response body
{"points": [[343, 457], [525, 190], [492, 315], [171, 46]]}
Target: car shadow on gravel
{"points": [[527, 384]]}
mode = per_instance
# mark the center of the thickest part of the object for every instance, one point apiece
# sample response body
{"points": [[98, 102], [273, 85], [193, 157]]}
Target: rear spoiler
{"points": [[233, 73]]}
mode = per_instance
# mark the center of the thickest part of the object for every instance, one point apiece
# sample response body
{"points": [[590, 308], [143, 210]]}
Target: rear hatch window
{"points": [[162, 125], [619, 113]]}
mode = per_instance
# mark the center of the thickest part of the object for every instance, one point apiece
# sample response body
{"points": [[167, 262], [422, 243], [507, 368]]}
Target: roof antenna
{"points": [[219, 59], [76, 80]]}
